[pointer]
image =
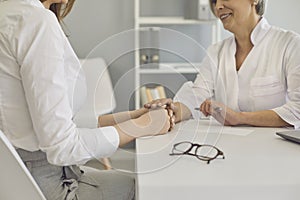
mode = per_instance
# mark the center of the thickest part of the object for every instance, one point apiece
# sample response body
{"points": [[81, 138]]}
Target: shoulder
{"points": [[17, 14], [25, 10], [214, 49], [26, 15], [287, 42], [284, 37], [39, 16], [287, 45], [37, 22]]}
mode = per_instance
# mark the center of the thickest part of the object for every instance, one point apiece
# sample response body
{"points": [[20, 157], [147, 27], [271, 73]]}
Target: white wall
{"points": [[284, 13], [92, 23]]}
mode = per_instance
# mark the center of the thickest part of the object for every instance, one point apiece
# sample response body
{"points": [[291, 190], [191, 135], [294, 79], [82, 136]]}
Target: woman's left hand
{"points": [[220, 112]]}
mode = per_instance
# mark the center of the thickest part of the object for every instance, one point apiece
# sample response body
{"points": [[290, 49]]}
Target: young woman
{"points": [[250, 78], [38, 72]]}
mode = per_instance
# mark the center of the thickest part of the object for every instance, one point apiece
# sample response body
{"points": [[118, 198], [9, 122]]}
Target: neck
{"points": [[243, 36]]}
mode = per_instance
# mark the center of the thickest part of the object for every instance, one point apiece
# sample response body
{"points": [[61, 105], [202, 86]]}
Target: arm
{"points": [[227, 116], [267, 118], [112, 119], [290, 111], [124, 134], [183, 112]]}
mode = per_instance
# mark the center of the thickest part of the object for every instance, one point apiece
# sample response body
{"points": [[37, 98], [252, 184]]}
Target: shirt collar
{"points": [[260, 31]]}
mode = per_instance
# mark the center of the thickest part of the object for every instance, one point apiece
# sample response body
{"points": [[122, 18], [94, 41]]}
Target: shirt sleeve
{"points": [[290, 112], [41, 58], [192, 94]]}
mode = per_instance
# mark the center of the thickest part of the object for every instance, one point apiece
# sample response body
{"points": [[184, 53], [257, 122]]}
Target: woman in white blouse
{"points": [[38, 73], [250, 78]]}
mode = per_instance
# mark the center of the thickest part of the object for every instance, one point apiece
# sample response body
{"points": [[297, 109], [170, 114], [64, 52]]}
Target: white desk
{"points": [[258, 165]]}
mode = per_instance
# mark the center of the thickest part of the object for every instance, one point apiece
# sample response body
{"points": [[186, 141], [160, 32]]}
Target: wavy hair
{"points": [[61, 10]]}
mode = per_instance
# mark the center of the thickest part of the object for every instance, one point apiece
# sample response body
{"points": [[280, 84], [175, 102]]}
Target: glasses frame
{"points": [[200, 157]]}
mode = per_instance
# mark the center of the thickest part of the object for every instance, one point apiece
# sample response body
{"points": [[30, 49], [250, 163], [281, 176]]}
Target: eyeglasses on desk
{"points": [[204, 152]]}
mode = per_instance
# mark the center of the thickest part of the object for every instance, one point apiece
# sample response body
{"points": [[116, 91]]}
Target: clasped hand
{"points": [[166, 104], [219, 111]]}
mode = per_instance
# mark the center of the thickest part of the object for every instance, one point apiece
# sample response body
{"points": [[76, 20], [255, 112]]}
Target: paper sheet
{"points": [[214, 127]]}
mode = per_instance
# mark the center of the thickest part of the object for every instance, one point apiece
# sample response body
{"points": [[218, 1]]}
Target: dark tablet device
{"points": [[293, 136]]}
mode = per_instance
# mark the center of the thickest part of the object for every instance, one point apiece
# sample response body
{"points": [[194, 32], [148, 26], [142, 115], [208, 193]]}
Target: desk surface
{"points": [[257, 165]]}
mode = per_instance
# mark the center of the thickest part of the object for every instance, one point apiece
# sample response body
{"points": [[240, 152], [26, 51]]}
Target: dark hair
{"points": [[260, 7], [61, 10]]}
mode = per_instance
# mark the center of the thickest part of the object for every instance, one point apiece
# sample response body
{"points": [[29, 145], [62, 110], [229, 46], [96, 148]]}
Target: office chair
{"points": [[16, 181], [100, 96]]}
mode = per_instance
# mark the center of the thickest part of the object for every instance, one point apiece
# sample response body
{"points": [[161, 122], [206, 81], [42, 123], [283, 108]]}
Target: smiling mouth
{"points": [[224, 16]]}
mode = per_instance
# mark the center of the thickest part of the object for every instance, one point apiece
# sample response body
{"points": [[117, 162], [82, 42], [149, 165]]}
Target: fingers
{"points": [[166, 102], [171, 118], [209, 107], [205, 108], [215, 109]]}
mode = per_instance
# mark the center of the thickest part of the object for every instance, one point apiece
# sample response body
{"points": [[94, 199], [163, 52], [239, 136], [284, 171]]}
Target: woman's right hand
{"points": [[167, 104], [155, 122]]}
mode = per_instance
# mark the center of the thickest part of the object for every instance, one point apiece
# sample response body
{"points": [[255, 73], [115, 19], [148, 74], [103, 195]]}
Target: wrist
{"points": [[242, 118], [124, 136], [137, 113], [181, 112]]}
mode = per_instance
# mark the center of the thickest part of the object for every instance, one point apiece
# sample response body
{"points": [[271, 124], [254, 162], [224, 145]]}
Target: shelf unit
{"points": [[170, 20], [171, 68], [165, 68]]}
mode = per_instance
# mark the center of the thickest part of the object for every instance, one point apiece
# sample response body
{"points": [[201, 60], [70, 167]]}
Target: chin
{"points": [[227, 27]]}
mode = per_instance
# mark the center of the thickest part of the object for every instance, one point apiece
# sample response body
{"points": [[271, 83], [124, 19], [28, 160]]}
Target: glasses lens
{"points": [[182, 147], [206, 152]]}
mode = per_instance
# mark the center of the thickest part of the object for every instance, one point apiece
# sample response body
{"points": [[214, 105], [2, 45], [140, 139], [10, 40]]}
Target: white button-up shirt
{"points": [[38, 74], [269, 78]]}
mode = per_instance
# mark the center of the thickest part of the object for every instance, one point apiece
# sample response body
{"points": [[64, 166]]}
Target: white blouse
{"points": [[39, 74], [268, 79]]}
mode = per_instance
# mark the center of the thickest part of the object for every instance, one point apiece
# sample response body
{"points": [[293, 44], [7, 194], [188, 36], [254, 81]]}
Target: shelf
{"points": [[171, 20], [172, 68], [175, 18]]}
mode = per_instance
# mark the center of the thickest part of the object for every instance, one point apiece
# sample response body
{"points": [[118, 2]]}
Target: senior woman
{"points": [[250, 78], [38, 74]]}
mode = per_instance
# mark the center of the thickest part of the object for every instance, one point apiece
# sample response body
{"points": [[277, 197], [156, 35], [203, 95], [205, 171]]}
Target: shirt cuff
{"points": [[288, 116]]}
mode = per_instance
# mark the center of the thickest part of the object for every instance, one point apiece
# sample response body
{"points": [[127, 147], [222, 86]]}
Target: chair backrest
{"points": [[16, 181], [100, 93]]}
